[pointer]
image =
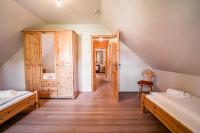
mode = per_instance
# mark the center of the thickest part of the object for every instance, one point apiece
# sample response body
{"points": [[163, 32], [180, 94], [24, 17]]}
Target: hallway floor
{"points": [[96, 112]]}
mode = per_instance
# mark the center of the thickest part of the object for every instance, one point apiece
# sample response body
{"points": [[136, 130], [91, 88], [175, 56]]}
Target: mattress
{"points": [[9, 100], [186, 111]]}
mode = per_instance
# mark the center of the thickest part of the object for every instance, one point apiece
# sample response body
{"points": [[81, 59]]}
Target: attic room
{"points": [[100, 66]]}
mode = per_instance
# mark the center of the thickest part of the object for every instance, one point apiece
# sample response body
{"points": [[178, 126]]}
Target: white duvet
{"points": [[185, 110], [9, 95]]}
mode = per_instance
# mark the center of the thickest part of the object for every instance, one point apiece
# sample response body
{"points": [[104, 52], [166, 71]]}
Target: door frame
{"points": [[93, 37]]}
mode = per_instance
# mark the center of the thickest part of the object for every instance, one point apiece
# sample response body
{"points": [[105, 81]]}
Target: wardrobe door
{"points": [[32, 57], [65, 78], [33, 77], [32, 49], [64, 63], [64, 47]]}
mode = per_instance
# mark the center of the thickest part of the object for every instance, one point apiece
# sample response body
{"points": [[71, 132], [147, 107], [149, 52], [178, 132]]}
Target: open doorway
{"points": [[105, 63], [100, 66]]}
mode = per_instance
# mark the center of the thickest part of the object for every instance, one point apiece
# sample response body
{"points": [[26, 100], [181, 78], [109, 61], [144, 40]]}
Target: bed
{"points": [[12, 102], [178, 114]]}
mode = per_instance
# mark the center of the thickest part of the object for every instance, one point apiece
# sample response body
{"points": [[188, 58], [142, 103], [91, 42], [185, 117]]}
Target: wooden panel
{"points": [[32, 56], [100, 45], [75, 62], [115, 66], [50, 91], [49, 83], [33, 77], [32, 48], [65, 78], [64, 48]]}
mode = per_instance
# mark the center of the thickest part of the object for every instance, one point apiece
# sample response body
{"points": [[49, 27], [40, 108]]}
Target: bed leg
{"points": [[144, 110], [37, 100]]}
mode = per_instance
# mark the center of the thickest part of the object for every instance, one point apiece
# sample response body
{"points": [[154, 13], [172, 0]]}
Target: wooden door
{"points": [[32, 57], [64, 63], [64, 48], [115, 66], [32, 49], [65, 79]]}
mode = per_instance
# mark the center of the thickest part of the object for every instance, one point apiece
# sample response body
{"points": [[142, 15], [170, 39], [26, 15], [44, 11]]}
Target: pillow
{"points": [[175, 92]]}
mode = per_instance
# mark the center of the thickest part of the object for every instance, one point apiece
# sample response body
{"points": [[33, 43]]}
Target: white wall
{"points": [[187, 83], [130, 69], [12, 73]]}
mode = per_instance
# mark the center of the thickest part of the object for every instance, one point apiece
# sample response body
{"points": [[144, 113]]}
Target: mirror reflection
{"points": [[100, 60], [48, 56]]}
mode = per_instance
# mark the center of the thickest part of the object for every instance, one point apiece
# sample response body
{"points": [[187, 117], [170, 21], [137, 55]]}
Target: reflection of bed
{"points": [[12, 102], [49, 76], [178, 114]]}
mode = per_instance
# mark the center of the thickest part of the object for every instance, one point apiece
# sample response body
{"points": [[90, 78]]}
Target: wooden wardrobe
{"points": [[65, 44]]}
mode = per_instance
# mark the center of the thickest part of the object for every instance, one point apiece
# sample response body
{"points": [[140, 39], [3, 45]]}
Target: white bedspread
{"points": [[187, 111], [8, 98]]}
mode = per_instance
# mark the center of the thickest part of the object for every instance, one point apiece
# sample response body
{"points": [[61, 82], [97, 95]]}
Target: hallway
{"points": [[96, 112], [102, 82]]}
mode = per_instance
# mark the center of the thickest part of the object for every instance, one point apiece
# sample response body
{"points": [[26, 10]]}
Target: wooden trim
{"points": [[46, 30], [92, 64], [14, 109], [103, 36], [170, 122]]}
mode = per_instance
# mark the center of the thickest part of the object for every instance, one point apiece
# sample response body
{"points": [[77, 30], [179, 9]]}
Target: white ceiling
{"points": [[164, 33], [72, 11]]}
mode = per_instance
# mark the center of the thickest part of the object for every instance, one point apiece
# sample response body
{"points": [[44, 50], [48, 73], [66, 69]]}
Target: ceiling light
{"points": [[101, 39], [59, 3]]}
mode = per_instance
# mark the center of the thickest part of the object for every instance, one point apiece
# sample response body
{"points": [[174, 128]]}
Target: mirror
{"points": [[48, 56], [100, 60]]}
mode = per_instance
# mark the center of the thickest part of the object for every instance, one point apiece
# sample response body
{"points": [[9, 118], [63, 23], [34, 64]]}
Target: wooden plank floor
{"points": [[96, 112]]}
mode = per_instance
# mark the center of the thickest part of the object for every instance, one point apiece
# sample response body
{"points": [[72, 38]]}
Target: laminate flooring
{"points": [[96, 112]]}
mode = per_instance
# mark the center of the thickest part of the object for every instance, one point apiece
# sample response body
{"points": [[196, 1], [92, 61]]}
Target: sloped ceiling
{"points": [[164, 33], [71, 11], [13, 19]]}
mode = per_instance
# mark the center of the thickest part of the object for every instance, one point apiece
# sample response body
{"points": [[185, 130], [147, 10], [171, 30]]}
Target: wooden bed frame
{"points": [[14, 109], [170, 122]]}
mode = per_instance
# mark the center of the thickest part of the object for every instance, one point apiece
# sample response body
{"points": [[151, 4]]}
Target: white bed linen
{"points": [[186, 111], [9, 95], [16, 100]]}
